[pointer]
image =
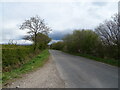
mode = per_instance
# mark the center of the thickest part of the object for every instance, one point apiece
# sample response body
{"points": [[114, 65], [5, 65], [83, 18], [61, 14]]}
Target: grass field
{"points": [[13, 56], [36, 62]]}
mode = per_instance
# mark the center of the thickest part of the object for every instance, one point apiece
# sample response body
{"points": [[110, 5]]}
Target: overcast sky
{"points": [[62, 17]]}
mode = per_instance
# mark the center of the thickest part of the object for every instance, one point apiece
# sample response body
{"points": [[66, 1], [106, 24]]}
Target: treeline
{"points": [[103, 42], [14, 56]]}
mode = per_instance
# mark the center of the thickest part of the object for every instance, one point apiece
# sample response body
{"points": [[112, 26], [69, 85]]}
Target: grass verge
{"points": [[107, 61], [36, 62]]}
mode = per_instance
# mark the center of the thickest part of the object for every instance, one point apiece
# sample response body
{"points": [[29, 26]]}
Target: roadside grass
{"points": [[107, 61], [31, 65]]}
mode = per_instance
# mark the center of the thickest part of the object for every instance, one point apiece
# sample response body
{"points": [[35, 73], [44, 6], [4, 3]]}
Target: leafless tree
{"points": [[109, 31], [35, 25]]}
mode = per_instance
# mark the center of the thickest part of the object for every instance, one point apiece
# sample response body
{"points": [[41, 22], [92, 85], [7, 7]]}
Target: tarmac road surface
{"points": [[79, 72]]}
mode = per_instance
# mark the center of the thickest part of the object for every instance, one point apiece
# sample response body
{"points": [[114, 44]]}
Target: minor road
{"points": [[79, 72]]}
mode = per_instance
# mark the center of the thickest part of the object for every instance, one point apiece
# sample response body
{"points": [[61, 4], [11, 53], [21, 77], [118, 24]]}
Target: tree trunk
{"points": [[35, 41]]}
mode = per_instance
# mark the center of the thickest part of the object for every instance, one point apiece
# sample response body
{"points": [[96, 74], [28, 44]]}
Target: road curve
{"points": [[79, 72]]}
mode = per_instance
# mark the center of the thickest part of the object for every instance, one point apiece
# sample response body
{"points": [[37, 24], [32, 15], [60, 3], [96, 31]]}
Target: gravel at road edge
{"points": [[44, 77]]}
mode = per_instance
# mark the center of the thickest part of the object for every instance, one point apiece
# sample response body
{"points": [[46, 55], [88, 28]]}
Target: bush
{"points": [[58, 46], [81, 41]]}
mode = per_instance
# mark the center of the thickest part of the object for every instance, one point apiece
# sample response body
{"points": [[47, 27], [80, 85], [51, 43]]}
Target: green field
{"points": [[36, 62], [13, 56], [19, 59]]}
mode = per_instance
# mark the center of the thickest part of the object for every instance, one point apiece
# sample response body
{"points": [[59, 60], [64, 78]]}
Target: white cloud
{"points": [[25, 42], [11, 31], [10, 24], [63, 16], [58, 0]]}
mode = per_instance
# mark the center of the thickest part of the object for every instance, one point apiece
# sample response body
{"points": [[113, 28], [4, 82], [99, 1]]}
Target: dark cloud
{"points": [[58, 35], [61, 17]]}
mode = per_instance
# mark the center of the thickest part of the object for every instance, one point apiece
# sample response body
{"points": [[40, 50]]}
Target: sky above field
{"points": [[63, 17]]}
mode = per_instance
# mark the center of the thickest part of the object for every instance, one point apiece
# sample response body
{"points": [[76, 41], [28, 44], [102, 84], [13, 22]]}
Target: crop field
{"points": [[32, 64], [13, 56]]}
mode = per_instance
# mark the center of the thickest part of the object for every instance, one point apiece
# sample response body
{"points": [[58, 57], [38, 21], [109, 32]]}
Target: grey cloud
{"points": [[61, 17], [99, 3], [58, 35]]}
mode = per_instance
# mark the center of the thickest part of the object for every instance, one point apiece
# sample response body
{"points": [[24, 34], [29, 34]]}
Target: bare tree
{"points": [[109, 31], [35, 25]]}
